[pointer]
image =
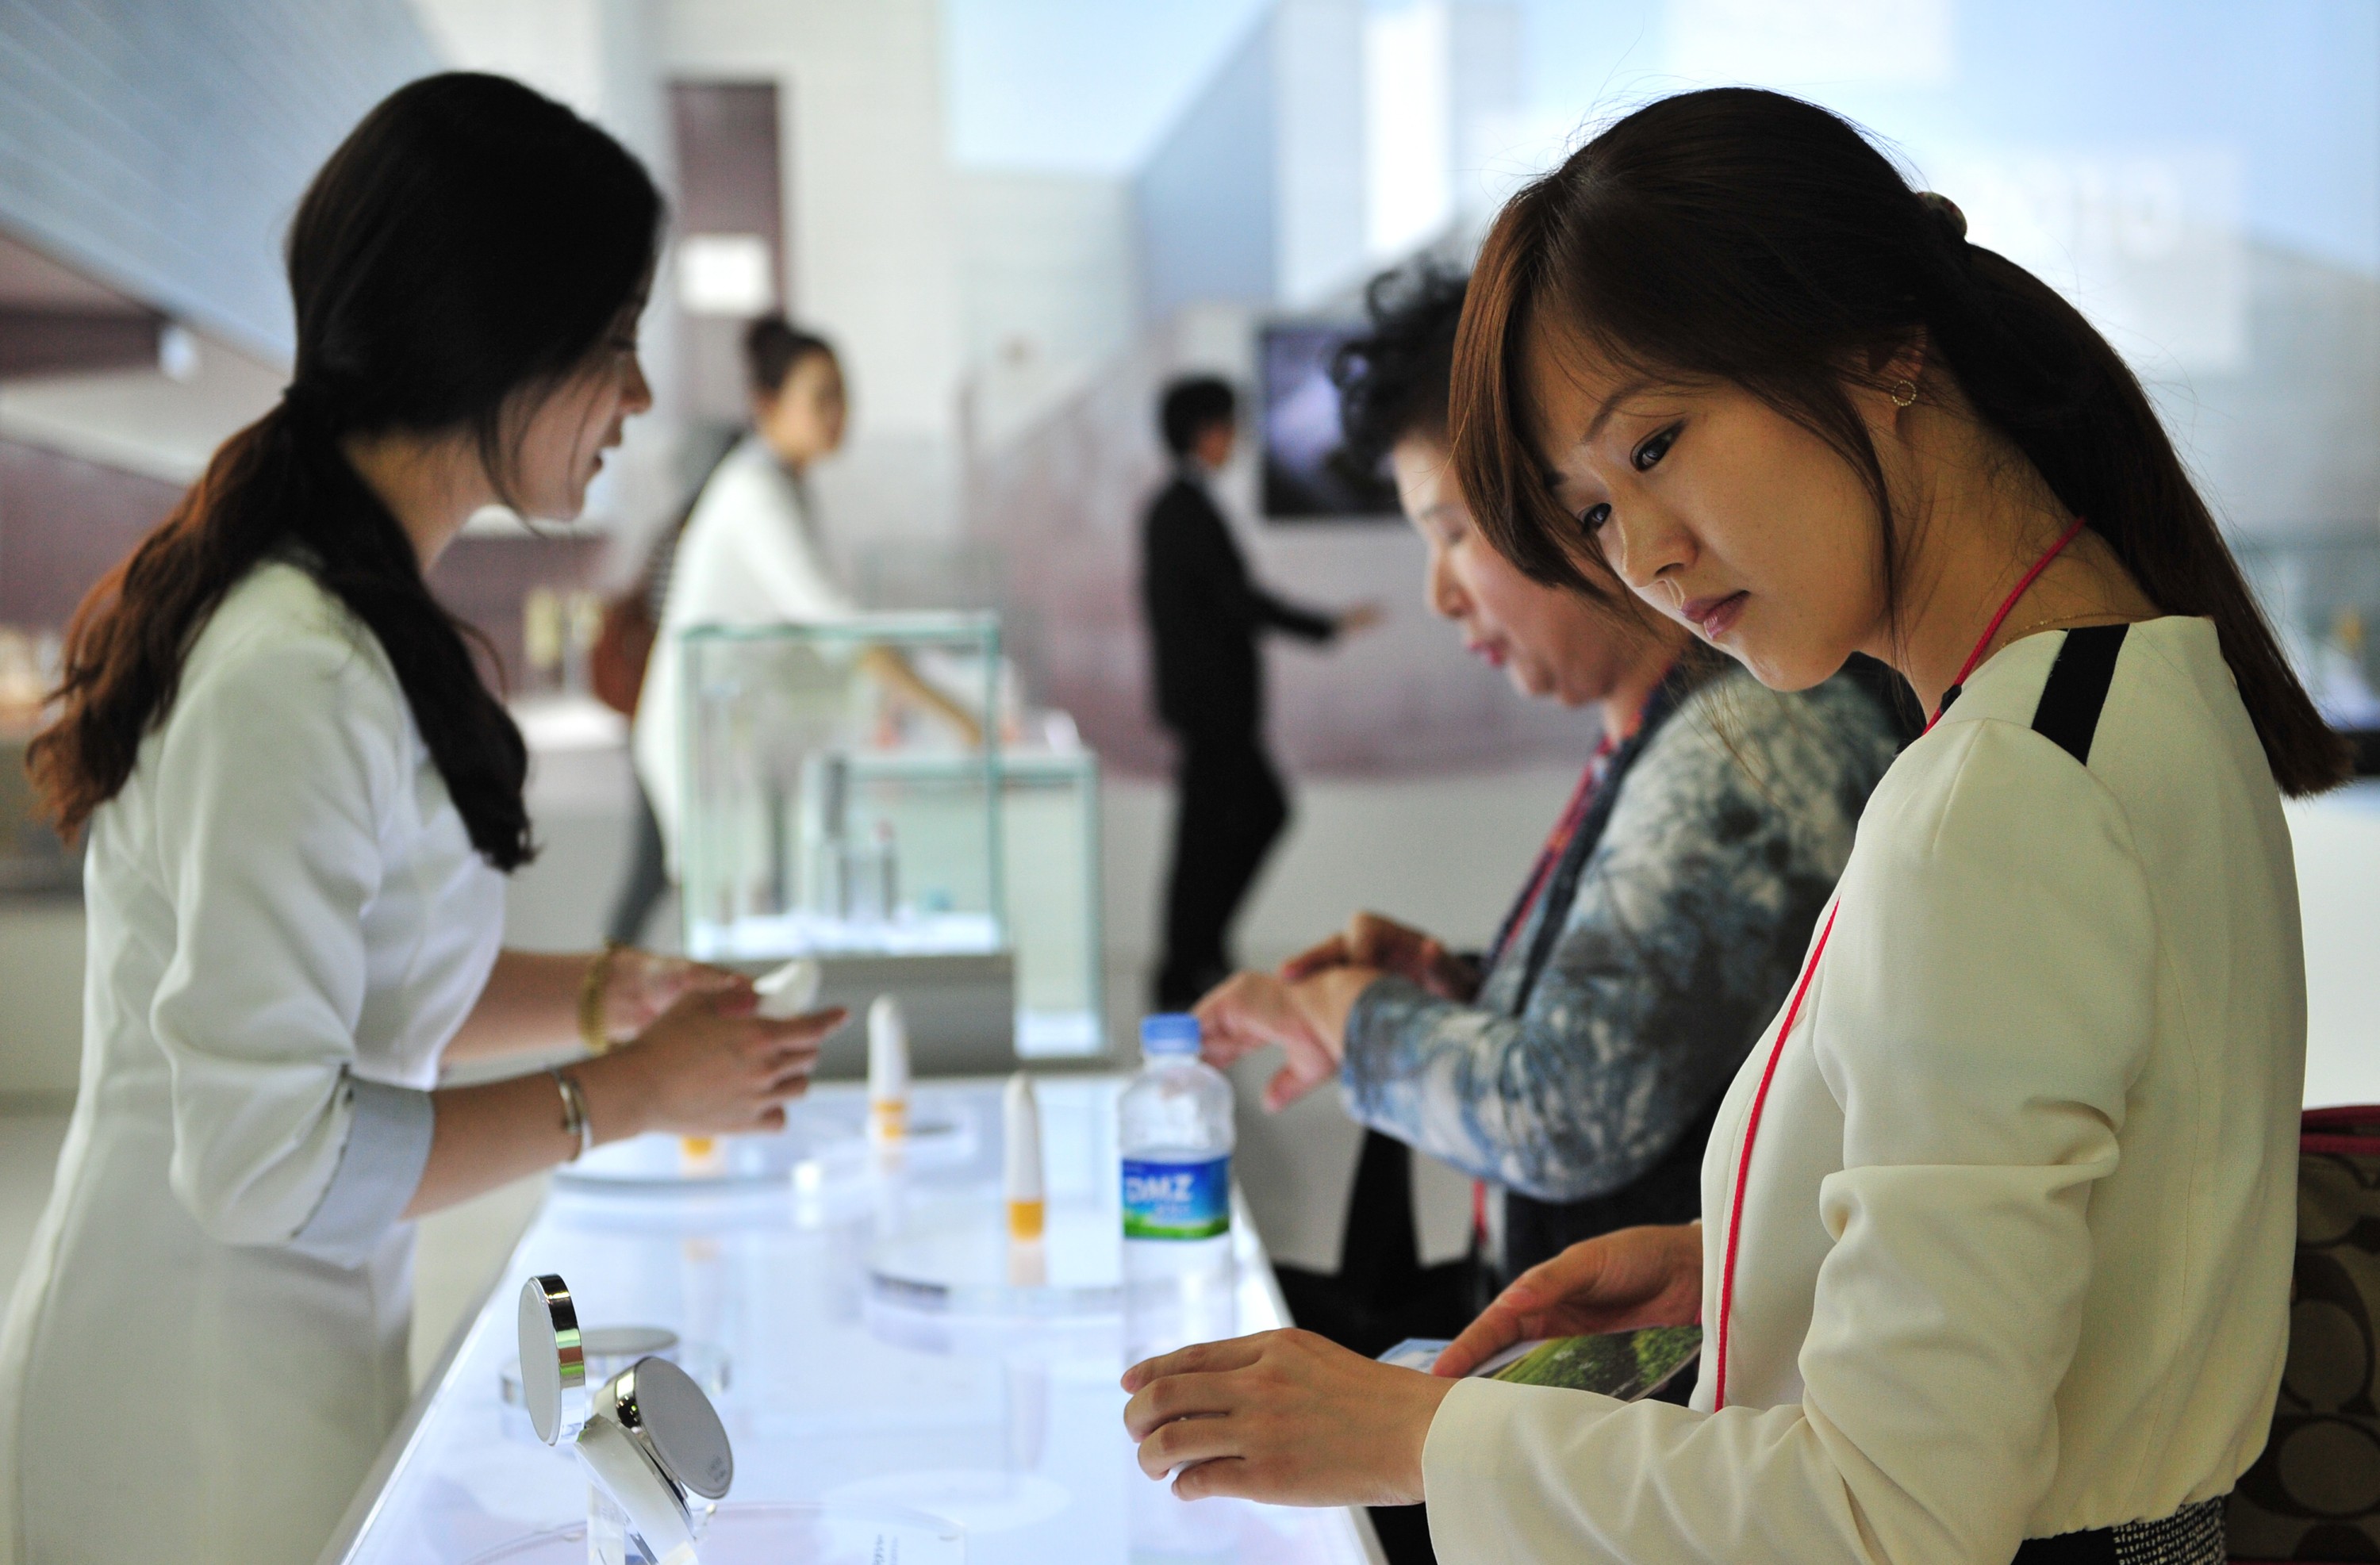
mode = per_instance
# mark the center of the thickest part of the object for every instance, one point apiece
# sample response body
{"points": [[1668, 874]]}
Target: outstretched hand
{"points": [[1249, 1012], [1286, 1417], [711, 1064], [1633, 1277]]}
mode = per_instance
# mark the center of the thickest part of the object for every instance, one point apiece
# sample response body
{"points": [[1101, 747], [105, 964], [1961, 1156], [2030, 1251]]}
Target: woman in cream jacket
{"points": [[1998, 1216]]}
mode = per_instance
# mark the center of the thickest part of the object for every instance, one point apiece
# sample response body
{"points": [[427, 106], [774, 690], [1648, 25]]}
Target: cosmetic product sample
{"points": [[1021, 1114], [788, 991], [888, 1072]]}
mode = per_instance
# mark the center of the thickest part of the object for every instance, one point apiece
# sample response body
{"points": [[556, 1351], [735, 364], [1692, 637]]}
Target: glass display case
{"points": [[830, 813], [826, 812], [1050, 844]]}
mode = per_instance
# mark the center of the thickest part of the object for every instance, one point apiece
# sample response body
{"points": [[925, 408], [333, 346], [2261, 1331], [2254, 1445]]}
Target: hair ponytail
{"points": [[469, 245], [280, 482], [1748, 237], [2033, 369]]}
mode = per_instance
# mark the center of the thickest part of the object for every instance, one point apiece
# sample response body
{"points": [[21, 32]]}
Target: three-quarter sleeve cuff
{"points": [[1382, 1006], [388, 1145], [1490, 1448], [1459, 1464]]}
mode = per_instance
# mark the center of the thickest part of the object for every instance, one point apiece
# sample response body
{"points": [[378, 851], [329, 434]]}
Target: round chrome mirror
{"points": [[661, 1407], [552, 1358]]}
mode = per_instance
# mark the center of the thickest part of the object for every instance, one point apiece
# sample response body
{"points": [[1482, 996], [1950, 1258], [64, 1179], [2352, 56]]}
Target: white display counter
{"points": [[998, 1410]]}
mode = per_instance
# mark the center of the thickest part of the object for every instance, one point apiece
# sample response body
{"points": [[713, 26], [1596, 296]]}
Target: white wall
{"points": [[1319, 120], [598, 57], [871, 226], [1048, 290]]}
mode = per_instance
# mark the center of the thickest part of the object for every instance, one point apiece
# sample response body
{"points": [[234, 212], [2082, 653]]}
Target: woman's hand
{"points": [[639, 985], [1618, 1283], [1286, 1417], [1370, 940], [1251, 1010], [705, 1066]]}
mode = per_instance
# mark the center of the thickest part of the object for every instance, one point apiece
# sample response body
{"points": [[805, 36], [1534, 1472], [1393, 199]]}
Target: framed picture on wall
{"points": [[1306, 477]]}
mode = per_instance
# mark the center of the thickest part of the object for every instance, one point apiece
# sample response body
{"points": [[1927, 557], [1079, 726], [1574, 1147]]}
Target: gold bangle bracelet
{"points": [[591, 987]]}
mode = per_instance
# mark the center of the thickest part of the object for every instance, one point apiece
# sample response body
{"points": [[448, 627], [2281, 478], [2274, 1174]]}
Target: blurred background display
{"points": [[1306, 474]]}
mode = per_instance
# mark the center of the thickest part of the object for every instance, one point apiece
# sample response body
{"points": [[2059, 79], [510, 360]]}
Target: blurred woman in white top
{"points": [[300, 801], [750, 555]]}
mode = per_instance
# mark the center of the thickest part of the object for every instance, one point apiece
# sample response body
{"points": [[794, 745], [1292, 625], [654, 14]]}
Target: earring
{"points": [[1904, 392]]}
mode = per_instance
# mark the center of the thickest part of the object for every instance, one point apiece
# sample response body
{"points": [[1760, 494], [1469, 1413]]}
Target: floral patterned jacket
{"points": [[1692, 911]]}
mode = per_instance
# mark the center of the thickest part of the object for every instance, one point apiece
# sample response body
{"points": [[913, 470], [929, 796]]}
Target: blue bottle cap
{"points": [[1169, 1032]]}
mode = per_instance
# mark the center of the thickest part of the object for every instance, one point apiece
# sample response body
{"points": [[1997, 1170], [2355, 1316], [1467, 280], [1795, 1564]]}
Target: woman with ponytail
{"points": [[300, 800], [1997, 1220]]}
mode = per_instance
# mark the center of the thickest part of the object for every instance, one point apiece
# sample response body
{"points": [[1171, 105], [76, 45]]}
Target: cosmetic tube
{"points": [[1021, 1114], [888, 1072]]}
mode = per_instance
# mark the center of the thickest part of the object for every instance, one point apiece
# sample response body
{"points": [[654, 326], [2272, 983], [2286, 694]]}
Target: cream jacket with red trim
{"points": [[2016, 1235]]}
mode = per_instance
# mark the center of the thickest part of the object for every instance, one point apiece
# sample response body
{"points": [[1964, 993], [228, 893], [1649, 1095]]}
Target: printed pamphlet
{"points": [[1627, 1364]]}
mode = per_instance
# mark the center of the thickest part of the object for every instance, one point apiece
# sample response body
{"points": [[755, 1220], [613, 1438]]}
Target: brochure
{"points": [[1626, 1364]]}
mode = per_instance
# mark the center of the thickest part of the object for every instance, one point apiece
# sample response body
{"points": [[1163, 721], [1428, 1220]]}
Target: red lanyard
{"points": [[1557, 843], [1810, 970], [1993, 628]]}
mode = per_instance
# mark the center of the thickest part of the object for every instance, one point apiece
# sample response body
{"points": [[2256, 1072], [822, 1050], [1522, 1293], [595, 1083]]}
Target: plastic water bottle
{"points": [[1174, 1131]]}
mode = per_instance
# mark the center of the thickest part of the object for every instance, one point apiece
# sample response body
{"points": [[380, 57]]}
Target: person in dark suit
{"points": [[1205, 613]]}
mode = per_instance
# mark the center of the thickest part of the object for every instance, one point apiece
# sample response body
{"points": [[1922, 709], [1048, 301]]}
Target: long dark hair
{"points": [[467, 248], [1742, 235]]}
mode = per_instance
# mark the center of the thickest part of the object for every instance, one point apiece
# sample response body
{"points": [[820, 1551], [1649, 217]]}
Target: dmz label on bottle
{"points": [[1177, 1200]]}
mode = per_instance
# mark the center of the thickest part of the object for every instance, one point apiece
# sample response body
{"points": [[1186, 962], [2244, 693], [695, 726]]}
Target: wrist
{"points": [[617, 1101], [597, 996], [1413, 1433], [1327, 1003]]}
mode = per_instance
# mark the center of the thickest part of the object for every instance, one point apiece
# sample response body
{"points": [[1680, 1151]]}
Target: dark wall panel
{"points": [[731, 180], [63, 523]]}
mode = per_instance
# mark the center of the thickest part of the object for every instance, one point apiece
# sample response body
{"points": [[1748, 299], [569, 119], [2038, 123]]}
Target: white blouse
{"points": [[748, 557], [287, 923], [2017, 1230]]}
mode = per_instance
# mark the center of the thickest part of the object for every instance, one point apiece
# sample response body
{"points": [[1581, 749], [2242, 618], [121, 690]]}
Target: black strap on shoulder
{"points": [[2077, 688]]}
